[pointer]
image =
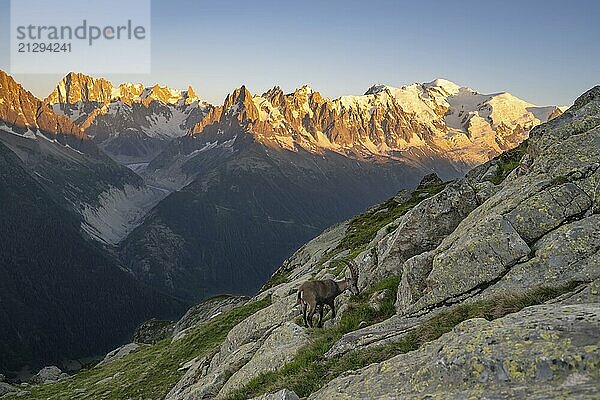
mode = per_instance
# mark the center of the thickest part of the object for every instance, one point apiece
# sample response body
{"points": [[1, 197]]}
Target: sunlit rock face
{"points": [[439, 117], [130, 122], [22, 111]]}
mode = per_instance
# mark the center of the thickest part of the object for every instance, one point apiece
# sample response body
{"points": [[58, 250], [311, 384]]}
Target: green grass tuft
{"points": [[151, 371], [363, 228], [280, 276], [508, 161], [560, 180]]}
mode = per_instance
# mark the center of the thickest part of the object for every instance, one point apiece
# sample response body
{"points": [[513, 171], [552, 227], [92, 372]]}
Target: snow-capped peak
{"points": [[449, 87]]}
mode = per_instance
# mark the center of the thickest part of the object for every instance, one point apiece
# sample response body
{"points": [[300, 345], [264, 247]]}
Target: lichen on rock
{"points": [[541, 350]]}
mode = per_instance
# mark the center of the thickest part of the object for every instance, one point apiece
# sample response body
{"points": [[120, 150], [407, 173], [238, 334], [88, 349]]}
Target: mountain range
{"points": [[181, 199], [439, 117]]}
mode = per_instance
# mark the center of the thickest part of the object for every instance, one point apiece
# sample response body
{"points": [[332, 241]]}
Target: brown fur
{"points": [[314, 295]]}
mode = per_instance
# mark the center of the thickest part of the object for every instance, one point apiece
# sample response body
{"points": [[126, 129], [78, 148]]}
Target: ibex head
{"points": [[352, 280]]}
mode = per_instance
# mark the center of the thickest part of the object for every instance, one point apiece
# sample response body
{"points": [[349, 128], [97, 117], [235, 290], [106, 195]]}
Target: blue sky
{"points": [[546, 52]]}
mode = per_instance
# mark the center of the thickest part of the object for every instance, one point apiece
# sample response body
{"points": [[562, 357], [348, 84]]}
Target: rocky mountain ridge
{"points": [[130, 122], [436, 120], [22, 111], [79, 89], [438, 117]]}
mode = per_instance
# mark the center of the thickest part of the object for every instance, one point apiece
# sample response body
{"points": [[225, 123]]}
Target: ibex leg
{"points": [[321, 307], [311, 313], [332, 306], [304, 307]]}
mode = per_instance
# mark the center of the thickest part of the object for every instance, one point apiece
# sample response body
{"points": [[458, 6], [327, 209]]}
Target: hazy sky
{"points": [[546, 52]]}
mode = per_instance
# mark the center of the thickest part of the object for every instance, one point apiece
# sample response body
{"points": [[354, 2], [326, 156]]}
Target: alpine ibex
{"points": [[317, 294]]}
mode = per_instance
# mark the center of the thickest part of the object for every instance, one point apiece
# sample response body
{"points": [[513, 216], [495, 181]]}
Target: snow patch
{"points": [[447, 86], [138, 168], [119, 212]]}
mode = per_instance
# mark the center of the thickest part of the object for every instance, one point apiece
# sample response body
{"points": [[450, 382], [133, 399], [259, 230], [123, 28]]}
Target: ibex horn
{"points": [[352, 268]]}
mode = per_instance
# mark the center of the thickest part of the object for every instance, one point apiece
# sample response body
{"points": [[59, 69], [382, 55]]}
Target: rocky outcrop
{"points": [[71, 366], [48, 374], [262, 342], [567, 254], [589, 293], [9, 390], [526, 224], [541, 352], [118, 353], [278, 349], [423, 228], [153, 331], [204, 311], [429, 180], [283, 394]]}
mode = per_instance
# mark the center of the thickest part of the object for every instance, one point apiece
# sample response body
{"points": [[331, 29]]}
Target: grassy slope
{"points": [[309, 370], [151, 371], [306, 372]]}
